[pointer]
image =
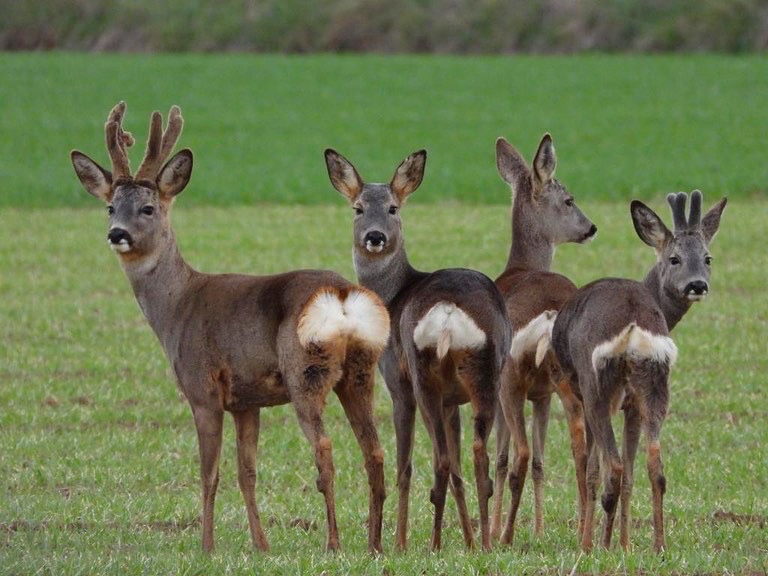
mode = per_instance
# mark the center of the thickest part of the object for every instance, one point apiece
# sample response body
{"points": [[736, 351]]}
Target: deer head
{"points": [[138, 206], [683, 263], [377, 226], [541, 204]]}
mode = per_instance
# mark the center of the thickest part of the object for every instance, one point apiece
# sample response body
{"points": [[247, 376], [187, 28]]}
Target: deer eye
{"points": [[674, 260], [393, 210], [358, 210], [148, 210], [569, 202], [708, 260], [110, 209]]}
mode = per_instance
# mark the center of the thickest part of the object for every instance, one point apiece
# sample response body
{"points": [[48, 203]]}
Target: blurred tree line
{"points": [[386, 26]]}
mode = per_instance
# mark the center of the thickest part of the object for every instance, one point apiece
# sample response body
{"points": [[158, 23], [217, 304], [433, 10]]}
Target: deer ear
{"points": [[95, 179], [711, 221], [408, 175], [510, 163], [343, 175], [545, 161], [175, 175], [649, 226]]}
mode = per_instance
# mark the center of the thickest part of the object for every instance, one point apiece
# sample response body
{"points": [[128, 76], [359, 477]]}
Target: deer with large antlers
{"points": [[448, 344], [613, 336], [544, 214], [239, 343]]}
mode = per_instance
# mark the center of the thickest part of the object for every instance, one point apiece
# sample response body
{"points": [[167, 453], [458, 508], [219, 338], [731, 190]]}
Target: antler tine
{"points": [[677, 204], [117, 141], [172, 131], [694, 218], [160, 143]]}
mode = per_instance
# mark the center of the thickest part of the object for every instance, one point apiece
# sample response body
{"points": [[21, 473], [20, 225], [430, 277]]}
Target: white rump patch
{"points": [[361, 315], [638, 343], [447, 327], [534, 335]]}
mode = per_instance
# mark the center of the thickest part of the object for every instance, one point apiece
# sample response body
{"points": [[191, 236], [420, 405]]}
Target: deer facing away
{"points": [[544, 214], [448, 343], [238, 343], [613, 335]]}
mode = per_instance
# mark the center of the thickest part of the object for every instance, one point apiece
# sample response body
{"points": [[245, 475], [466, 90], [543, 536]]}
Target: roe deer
{"points": [[238, 343], [613, 335], [544, 215], [448, 343]]}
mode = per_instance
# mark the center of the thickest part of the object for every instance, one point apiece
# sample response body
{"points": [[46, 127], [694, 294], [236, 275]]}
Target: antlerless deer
{"points": [[449, 339], [544, 214], [239, 343]]}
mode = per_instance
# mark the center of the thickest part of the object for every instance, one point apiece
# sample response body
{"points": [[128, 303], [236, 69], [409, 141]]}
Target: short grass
{"points": [[624, 126], [98, 467]]}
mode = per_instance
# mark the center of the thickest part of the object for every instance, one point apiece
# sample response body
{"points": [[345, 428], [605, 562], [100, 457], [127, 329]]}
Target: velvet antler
{"points": [[160, 143], [117, 141]]}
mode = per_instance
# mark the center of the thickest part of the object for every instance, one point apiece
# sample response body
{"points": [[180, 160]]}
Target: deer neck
{"points": [[159, 282], [386, 275], [673, 308], [531, 247]]}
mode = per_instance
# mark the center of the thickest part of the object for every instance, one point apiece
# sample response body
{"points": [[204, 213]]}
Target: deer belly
{"points": [[237, 393]]}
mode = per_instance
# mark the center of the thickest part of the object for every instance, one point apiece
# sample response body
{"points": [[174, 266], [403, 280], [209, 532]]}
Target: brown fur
{"points": [[541, 219], [232, 339], [436, 378]]}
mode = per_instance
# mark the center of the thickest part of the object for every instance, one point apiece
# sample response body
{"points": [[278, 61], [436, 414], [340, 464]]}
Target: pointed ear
{"points": [[649, 226], [510, 163], [545, 161], [175, 175], [343, 175], [408, 175], [95, 179], [711, 221]]}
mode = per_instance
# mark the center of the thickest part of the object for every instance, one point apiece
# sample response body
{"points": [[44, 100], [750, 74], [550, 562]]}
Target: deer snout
{"points": [[375, 241], [119, 239], [590, 233], [696, 290]]}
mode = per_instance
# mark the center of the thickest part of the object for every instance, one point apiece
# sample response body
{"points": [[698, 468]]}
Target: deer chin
{"points": [[122, 247], [374, 248], [693, 297]]}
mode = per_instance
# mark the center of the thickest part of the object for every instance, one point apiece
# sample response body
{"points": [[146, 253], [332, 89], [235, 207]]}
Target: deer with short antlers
{"points": [[613, 336], [238, 343], [448, 344], [544, 214]]}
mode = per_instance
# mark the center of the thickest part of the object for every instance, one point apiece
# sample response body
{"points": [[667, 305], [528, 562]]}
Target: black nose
{"points": [[697, 287], [592, 231], [375, 238], [117, 235]]}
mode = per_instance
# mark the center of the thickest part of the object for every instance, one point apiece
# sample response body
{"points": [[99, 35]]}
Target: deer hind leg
{"points": [[208, 424], [480, 376], [539, 437], [456, 484], [309, 385], [355, 393], [429, 396], [503, 437], [593, 484], [513, 407], [656, 404], [574, 413], [598, 412], [247, 430], [632, 426]]}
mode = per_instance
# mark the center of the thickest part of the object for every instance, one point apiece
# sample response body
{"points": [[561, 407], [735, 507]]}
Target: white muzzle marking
{"points": [[123, 246], [375, 248]]}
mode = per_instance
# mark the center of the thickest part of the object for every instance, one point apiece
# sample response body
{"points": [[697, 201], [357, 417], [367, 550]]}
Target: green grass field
{"points": [[98, 466], [623, 126]]}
